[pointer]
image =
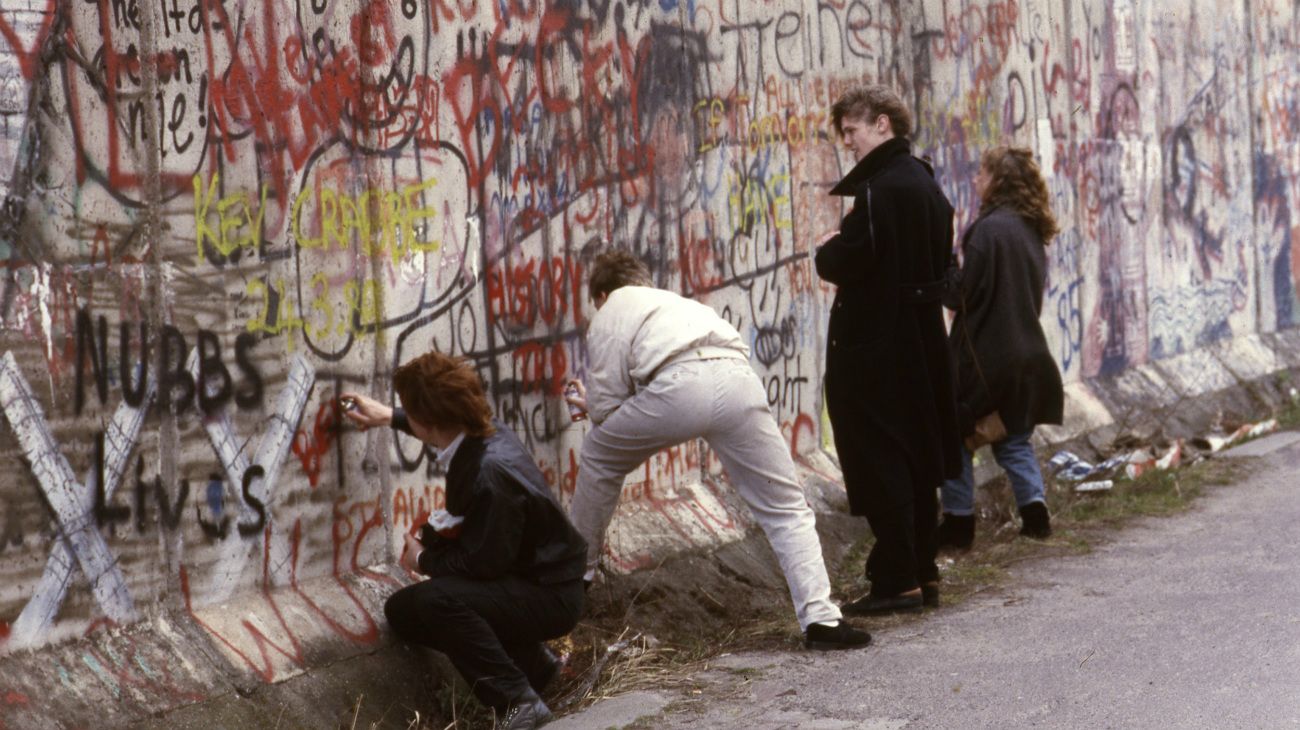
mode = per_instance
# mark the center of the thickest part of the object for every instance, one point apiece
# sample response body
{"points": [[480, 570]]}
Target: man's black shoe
{"points": [[1035, 522], [956, 532], [870, 605], [840, 636], [526, 714]]}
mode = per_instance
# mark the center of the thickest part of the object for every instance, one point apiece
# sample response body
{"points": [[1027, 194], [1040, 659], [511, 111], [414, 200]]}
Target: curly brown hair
{"points": [[1015, 182], [442, 391], [867, 103], [613, 269]]}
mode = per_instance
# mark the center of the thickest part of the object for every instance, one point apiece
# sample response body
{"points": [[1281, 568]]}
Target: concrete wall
{"points": [[290, 198]]}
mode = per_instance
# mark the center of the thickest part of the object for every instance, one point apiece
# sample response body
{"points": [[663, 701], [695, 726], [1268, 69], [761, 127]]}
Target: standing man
{"points": [[889, 385], [504, 564], [666, 369]]}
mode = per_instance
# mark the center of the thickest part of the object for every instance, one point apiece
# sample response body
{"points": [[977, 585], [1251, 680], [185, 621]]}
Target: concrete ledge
{"points": [[302, 653]]}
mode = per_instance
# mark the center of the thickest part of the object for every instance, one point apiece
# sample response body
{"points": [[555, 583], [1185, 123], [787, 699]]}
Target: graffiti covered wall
{"points": [[219, 214]]}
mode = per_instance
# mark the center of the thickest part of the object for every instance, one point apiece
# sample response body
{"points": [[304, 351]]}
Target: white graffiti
{"points": [[80, 545], [272, 447]]}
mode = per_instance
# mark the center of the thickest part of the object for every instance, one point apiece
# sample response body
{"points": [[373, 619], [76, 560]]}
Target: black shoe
{"points": [[870, 605], [956, 531], [525, 714], [1035, 521], [541, 675], [930, 594], [840, 636]]}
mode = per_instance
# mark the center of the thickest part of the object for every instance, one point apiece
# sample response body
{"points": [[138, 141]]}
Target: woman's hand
{"points": [[411, 553], [364, 411]]}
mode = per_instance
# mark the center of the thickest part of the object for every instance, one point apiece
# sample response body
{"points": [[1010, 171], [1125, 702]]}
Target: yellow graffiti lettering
{"points": [[354, 309], [379, 221], [320, 303], [780, 200], [275, 313], [203, 232], [713, 111], [752, 203], [764, 132], [420, 214], [237, 225], [303, 241]]}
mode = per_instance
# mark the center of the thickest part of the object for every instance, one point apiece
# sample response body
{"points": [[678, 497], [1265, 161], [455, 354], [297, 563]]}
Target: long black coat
{"points": [[887, 359], [1004, 269]]}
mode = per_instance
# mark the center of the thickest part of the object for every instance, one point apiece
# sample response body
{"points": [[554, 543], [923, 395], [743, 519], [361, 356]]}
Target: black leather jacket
{"points": [[512, 523]]}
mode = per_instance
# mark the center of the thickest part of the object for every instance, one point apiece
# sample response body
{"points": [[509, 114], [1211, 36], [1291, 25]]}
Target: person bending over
{"points": [[504, 564], [665, 369]]}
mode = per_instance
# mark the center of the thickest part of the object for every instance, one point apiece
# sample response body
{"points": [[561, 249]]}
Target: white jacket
{"points": [[640, 329]]}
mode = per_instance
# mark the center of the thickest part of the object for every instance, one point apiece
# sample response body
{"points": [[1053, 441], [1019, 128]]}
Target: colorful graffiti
{"points": [[217, 216]]}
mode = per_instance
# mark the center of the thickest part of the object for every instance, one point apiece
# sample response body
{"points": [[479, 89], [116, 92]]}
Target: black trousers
{"points": [[903, 514], [491, 630]]}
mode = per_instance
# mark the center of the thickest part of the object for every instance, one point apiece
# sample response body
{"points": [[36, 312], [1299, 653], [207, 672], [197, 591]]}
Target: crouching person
{"points": [[504, 565]]}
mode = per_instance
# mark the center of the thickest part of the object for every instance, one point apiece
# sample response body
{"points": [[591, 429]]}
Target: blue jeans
{"points": [[1016, 457]]}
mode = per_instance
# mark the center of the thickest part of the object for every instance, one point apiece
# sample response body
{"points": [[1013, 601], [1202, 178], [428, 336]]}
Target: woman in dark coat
{"points": [[889, 387], [1003, 361]]}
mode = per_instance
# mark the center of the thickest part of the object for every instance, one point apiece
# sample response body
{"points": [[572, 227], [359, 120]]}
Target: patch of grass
{"points": [[1155, 493], [417, 720], [1289, 416], [963, 579], [599, 665], [457, 703]]}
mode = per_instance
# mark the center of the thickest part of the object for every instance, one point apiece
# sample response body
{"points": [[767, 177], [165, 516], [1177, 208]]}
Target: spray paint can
{"points": [[575, 412]]}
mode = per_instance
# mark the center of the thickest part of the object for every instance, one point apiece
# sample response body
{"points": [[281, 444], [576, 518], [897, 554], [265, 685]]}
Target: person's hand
{"points": [[579, 398], [411, 553], [364, 411]]}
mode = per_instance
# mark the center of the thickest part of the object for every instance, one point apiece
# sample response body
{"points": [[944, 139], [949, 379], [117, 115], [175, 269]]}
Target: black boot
{"points": [[1035, 522], [525, 713], [956, 531]]}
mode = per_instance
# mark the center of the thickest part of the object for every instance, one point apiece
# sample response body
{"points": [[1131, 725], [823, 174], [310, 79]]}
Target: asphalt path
{"points": [[1191, 621]]}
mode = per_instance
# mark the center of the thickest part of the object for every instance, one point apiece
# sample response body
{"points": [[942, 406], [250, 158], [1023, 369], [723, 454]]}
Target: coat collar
{"points": [[873, 163], [446, 455], [984, 215], [462, 472], [981, 215], [466, 458]]}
